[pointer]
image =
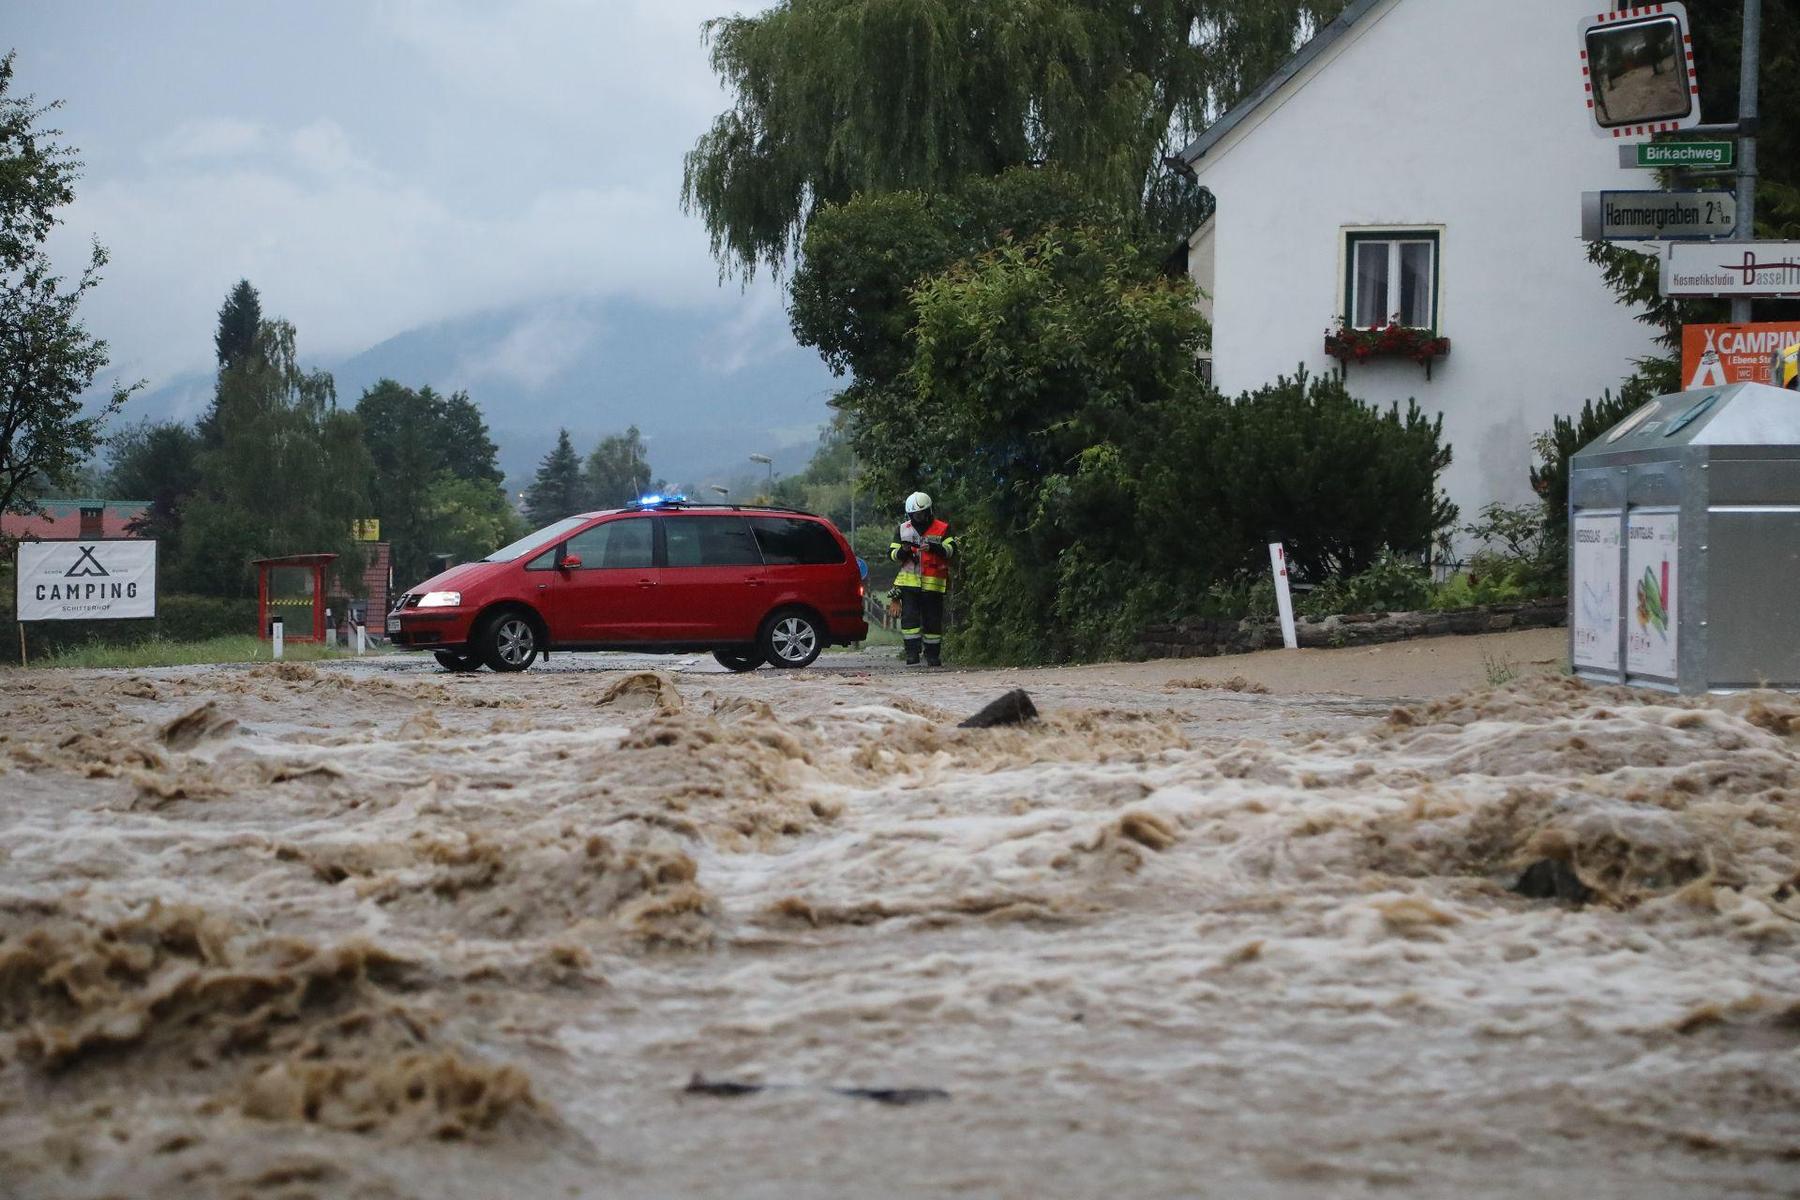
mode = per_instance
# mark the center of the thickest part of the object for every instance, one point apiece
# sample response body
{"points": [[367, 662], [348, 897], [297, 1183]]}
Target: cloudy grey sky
{"points": [[378, 165]]}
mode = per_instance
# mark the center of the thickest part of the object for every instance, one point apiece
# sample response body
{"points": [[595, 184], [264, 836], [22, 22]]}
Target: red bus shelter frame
{"points": [[318, 563]]}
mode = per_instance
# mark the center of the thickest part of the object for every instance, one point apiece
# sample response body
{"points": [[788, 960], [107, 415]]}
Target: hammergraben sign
{"points": [[1657, 216], [1731, 269]]}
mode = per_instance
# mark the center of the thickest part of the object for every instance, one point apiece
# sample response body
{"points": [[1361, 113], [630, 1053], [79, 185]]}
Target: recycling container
{"points": [[1684, 544]]}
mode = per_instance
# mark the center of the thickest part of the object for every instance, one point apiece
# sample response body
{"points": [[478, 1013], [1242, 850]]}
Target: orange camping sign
{"points": [[1715, 355]]}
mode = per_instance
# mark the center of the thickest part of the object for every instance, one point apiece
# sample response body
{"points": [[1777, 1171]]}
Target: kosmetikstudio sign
{"points": [[1731, 269], [87, 580]]}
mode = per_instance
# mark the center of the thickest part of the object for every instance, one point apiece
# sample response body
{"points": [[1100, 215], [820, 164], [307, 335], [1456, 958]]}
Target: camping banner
{"points": [[87, 580], [1715, 355]]}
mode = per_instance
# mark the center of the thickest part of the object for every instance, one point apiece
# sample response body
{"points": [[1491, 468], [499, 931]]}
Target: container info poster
{"points": [[1596, 630], [1651, 593], [86, 581]]}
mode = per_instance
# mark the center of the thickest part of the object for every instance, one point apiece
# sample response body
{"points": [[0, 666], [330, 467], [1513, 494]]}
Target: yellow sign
{"points": [[366, 530]]}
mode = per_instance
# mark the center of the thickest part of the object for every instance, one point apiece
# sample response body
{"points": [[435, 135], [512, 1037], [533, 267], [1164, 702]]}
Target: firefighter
{"points": [[923, 548]]}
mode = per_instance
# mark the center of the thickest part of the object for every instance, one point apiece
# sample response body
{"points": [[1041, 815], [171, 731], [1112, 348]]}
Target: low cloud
{"points": [[502, 156], [207, 138], [541, 347]]}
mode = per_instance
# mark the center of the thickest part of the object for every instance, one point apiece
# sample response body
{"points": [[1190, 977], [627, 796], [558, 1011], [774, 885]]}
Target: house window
{"points": [[1391, 275]]}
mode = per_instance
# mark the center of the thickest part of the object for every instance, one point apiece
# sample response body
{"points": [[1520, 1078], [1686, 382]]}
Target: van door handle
{"points": [[646, 583]]}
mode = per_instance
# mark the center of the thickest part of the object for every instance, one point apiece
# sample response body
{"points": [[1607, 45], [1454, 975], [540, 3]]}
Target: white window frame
{"points": [[1353, 236]]}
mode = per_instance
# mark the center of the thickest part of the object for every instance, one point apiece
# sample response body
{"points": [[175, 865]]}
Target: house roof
{"points": [[1322, 41], [62, 519]]}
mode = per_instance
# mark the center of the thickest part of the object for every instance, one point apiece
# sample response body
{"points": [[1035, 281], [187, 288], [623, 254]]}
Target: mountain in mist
{"points": [[707, 387]]}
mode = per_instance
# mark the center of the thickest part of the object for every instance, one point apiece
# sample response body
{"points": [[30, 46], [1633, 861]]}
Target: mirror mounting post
{"points": [[1749, 70]]}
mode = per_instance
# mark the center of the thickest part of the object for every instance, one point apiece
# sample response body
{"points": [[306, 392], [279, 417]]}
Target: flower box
{"points": [[1393, 340]]}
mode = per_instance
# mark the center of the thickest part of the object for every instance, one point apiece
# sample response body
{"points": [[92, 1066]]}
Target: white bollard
{"points": [[1284, 600], [362, 638], [275, 637]]}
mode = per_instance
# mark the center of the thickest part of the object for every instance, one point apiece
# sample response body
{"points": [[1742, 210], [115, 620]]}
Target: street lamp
{"points": [[768, 462]]}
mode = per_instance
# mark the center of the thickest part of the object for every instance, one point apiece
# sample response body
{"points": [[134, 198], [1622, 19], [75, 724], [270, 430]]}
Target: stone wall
{"points": [[1204, 637]]}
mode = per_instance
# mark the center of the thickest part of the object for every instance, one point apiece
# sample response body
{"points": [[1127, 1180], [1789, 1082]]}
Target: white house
{"points": [[1426, 158]]}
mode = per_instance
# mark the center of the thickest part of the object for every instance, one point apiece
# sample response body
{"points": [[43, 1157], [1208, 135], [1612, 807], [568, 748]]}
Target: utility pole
{"points": [[1749, 71]]}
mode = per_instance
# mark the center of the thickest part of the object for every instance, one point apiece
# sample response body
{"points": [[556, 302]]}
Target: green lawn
{"points": [[159, 653]]}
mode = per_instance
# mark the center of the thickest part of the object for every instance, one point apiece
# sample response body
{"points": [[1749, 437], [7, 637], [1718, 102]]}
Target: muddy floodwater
{"points": [[370, 930]]}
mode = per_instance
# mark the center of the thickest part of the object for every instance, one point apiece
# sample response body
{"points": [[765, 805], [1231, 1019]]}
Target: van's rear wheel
{"points": [[508, 641], [791, 638], [452, 661], [732, 660]]}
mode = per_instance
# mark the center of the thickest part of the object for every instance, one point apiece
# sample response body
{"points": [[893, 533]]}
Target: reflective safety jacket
{"points": [[921, 565]]}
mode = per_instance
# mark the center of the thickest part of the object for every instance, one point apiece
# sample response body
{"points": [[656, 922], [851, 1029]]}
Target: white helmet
{"points": [[917, 502]]}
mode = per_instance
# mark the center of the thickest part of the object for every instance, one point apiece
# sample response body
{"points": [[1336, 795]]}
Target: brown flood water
{"points": [[369, 930]]}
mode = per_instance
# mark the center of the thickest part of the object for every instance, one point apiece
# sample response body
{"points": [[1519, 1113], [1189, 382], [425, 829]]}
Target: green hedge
{"points": [[178, 618]]}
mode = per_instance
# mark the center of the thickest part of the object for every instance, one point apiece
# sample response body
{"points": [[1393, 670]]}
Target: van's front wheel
{"points": [[791, 638], [508, 641]]}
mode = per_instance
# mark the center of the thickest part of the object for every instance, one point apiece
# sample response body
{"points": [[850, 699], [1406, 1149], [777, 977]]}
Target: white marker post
{"points": [[362, 638], [275, 638], [1284, 602]]}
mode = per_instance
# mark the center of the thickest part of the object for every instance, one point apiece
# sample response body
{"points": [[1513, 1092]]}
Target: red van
{"points": [[750, 584]]}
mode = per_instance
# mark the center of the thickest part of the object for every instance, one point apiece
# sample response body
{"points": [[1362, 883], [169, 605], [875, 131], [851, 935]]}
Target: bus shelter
{"points": [[291, 589]]}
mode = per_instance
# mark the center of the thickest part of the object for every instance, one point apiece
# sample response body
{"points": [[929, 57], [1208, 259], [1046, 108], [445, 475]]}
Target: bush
{"points": [[1302, 462], [1392, 583], [1556, 445]]}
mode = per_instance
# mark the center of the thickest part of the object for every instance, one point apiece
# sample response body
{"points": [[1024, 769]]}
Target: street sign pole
{"points": [[1748, 71]]}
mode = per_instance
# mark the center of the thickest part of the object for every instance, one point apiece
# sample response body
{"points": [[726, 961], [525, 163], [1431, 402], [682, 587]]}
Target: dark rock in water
{"points": [[1553, 879], [701, 1086], [1014, 708], [894, 1095]]}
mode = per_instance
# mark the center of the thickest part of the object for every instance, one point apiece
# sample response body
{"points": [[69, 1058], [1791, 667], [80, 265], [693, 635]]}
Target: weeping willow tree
{"points": [[839, 97]]}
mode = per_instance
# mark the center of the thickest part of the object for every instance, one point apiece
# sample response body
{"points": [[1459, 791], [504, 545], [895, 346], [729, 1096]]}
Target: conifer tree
{"points": [[559, 489]]}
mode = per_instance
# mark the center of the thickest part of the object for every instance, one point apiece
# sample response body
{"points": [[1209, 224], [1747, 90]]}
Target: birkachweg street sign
{"points": [[1646, 156]]}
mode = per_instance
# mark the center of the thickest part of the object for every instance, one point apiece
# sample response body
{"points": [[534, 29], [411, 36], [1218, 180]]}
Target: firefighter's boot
{"points": [[934, 653], [912, 651]]}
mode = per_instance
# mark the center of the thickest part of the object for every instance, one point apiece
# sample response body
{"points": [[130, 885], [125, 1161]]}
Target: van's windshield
{"points": [[532, 541]]}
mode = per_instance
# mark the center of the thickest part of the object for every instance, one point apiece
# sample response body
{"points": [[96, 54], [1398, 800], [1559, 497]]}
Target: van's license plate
{"points": [[393, 625]]}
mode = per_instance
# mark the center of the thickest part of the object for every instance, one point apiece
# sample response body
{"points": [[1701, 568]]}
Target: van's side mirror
{"points": [[570, 562]]}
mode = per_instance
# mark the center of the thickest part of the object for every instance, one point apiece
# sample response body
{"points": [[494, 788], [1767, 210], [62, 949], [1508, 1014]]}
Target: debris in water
{"points": [[1014, 708], [1148, 829], [699, 1085], [644, 689], [1553, 879], [196, 725], [1237, 683]]}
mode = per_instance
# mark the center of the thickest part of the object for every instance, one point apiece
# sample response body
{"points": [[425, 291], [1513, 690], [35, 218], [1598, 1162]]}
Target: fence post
{"points": [[275, 629], [362, 637], [1284, 601]]}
